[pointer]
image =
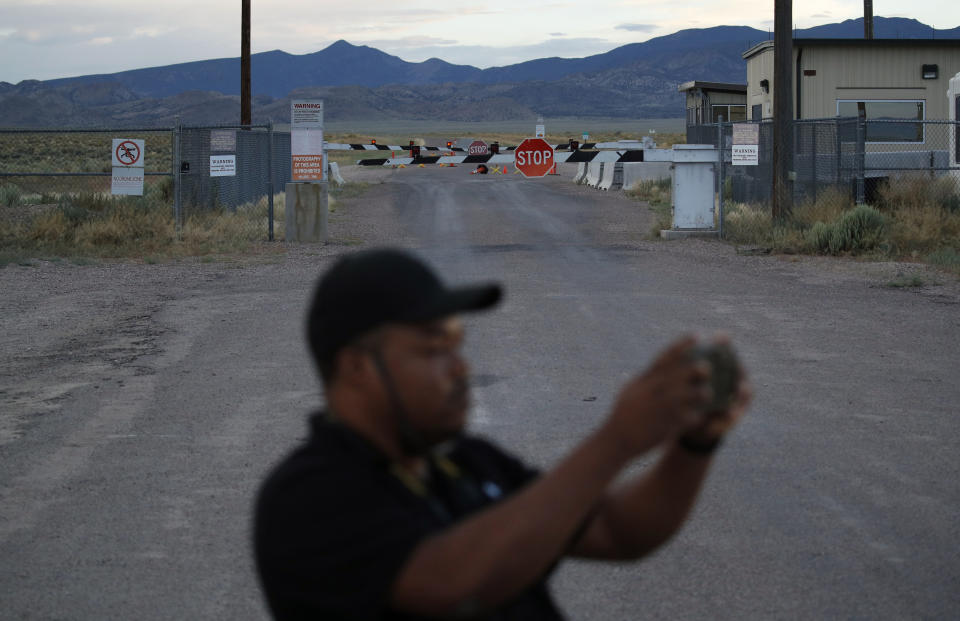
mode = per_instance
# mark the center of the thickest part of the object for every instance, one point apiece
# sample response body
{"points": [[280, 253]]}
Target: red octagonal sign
{"points": [[478, 147], [534, 157]]}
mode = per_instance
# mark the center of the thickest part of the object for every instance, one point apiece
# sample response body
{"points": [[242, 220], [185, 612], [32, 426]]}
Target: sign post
{"points": [[534, 157], [306, 195], [127, 160]]}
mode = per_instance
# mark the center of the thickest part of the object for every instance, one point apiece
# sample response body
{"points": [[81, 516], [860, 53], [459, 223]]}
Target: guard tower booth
{"points": [[953, 101], [707, 102]]}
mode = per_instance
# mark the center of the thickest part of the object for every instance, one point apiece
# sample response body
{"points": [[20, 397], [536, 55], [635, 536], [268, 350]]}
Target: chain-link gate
{"points": [[39, 166], [229, 173]]}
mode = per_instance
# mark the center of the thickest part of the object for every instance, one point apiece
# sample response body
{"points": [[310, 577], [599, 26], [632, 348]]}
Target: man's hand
{"points": [[668, 399]]}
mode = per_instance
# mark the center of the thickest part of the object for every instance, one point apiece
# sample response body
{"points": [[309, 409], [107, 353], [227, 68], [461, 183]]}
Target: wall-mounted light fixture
{"points": [[929, 72], [765, 85]]}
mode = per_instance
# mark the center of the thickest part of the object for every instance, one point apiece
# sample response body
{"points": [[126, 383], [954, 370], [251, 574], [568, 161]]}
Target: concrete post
{"points": [[306, 212]]}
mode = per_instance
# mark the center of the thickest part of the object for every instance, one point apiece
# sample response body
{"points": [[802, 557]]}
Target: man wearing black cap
{"points": [[390, 512]]}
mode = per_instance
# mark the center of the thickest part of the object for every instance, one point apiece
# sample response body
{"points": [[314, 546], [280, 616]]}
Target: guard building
{"points": [[887, 78]]}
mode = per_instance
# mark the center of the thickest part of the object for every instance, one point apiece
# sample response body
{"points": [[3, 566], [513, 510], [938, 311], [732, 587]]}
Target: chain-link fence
{"points": [[231, 170], [220, 178], [44, 165], [838, 159]]}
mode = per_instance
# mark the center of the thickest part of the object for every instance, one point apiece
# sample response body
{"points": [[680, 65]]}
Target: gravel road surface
{"points": [[140, 406]]}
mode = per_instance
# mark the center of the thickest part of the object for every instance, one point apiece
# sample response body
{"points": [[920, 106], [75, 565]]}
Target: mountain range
{"points": [[638, 80]]}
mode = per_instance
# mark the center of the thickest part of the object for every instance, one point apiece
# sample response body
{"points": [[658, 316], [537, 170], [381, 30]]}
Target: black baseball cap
{"points": [[364, 290]]}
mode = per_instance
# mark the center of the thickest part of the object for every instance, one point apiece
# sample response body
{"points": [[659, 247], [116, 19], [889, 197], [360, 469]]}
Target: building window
{"points": [[756, 112], [730, 112], [886, 110]]}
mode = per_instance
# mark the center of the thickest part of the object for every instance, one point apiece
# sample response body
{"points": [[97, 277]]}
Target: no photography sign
{"points": [[127, 159]]}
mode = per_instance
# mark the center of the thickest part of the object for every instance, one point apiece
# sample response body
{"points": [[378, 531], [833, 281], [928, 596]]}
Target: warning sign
{"points": [[127, 181], [307, 167], [127, 152], [306, 114], [746, 144], [306, 140], [223, 165]]}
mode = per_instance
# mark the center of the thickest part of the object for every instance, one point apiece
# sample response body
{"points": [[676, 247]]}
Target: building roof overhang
{"points": [[722, 87]]}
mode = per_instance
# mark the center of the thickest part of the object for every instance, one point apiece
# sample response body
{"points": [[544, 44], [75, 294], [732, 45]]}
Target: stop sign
{"points": [[534, 157], [478, 147]]}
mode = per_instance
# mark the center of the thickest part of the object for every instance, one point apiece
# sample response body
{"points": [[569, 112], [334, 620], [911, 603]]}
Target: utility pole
{"points": [[782, 109], [867, 19], [245, 63]]}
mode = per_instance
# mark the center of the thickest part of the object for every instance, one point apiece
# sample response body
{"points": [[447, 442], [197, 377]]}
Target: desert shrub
{"points": [[10, 195], [747, 224], [857, 230]]}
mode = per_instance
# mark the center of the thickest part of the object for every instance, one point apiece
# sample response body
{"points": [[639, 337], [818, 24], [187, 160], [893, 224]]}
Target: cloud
{"points": [[824, 15], [637, 27], [558, 34]]}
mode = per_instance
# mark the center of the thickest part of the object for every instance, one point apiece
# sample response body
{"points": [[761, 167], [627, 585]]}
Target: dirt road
{"points": [[140, 405]]}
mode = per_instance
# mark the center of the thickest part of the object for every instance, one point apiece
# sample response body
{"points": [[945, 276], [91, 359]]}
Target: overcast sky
{"points": [[43, 39]]}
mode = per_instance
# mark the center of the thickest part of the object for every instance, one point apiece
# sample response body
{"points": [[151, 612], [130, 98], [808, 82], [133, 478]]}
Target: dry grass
{"points": [[924, 213], [96, 226], [914, 218], [104, 226], [657, 193]]}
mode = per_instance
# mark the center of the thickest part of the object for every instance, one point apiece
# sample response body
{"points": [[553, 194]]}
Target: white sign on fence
{"points": [[223, 140], [127, 156], [127, 181], [746, 144], [223, 165]]}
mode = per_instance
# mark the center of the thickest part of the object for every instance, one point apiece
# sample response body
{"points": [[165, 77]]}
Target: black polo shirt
{"points": [[335, 523]]}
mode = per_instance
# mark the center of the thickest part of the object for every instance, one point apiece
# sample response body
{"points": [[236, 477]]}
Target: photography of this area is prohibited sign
{"points": [[127, 152]]}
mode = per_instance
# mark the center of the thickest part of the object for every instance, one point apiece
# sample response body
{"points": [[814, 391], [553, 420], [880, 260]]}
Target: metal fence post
{"points": [[814, 157], [861, 156], [270, 180], [720, 179], [838, 149], [177, 181]]}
